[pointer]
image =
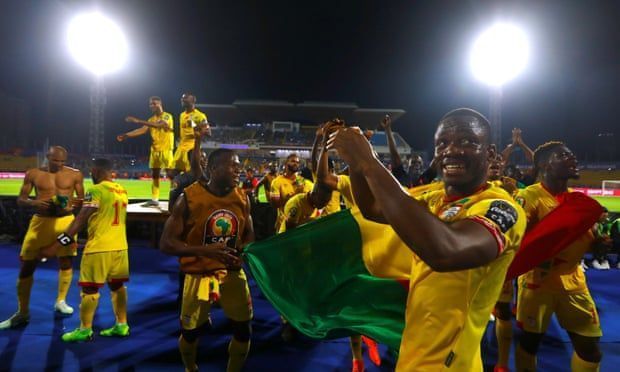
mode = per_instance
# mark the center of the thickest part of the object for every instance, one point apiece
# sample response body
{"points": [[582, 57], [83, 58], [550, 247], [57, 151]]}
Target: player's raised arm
{"points": [[323, 174], [172, 241], [132, 134], [444, 247], [161, 124], [361, 192]]}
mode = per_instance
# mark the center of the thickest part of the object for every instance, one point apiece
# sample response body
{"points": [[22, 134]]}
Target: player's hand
{"points": [[41, 204], [221, 252], [121, 137], [386, 122], [132, 119], [49, 251], [331, 127], [299, 187], [202, 130], [509, 184], [352, 146]]}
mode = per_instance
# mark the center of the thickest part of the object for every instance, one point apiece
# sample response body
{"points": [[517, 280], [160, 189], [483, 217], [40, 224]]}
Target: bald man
{"points": [[58, 189]]}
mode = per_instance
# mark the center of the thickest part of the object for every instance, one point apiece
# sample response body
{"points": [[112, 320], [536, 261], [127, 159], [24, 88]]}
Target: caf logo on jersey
{"points": [[221, 226]]}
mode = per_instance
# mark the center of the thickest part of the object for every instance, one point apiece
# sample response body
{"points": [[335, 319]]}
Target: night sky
{"points": [[410, 55]]}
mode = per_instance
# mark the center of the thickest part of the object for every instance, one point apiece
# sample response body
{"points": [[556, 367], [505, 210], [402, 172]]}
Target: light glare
{"points": [[499, 54], [97, 43]]}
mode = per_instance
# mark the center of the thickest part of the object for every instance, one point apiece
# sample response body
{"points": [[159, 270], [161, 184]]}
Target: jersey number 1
{"points": [[117, 206]]}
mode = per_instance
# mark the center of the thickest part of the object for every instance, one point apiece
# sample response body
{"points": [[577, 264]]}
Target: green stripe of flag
{"points": [[316, 278]]}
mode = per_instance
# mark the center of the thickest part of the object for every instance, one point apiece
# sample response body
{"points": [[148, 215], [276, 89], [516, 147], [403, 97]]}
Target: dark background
{"points": [[410, 55]]}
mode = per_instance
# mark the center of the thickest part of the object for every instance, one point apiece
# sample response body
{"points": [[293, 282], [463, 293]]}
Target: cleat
{"points": [[16, 320], [151, 203], [373, 350], [358, 366], [78, 335], [63, 308], [119, 330]]}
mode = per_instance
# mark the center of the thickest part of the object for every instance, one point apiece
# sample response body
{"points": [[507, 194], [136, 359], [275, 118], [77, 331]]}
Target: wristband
{"points": [[65, 239]]}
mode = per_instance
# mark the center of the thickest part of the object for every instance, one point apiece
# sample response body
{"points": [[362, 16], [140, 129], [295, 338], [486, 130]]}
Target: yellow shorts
{"points": [[42, 232], [181, 160], [160, 159], [507, 292], [235, 300], [99, 268], [576, 312]]}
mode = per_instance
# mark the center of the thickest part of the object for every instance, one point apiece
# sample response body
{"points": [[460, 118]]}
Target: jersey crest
{"points": [[222, 226]]}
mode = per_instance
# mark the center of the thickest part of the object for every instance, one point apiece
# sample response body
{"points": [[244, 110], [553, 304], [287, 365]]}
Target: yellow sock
{"points": [[237, 352], [188, 354], [87, 309], [503, 332], [155, 190], [119, 304], [525, 361], [64, 281], [24, 285], [579, 365], [356, 347]]}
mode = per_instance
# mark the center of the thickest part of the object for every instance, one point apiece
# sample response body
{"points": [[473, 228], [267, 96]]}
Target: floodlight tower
{"points": [[498, 55], [99, 45]]}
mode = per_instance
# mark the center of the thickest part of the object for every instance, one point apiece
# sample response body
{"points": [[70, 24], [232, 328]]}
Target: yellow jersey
{"points": [[447, 312], [106, 227], [333, 205], [298, 210], [162, 140], [418, 191], [283, 187], [344, 188], [561, 273], [186, 131]]}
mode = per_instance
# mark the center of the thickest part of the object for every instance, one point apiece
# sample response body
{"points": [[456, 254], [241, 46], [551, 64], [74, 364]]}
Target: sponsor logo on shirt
{"points": [[502, 214]]}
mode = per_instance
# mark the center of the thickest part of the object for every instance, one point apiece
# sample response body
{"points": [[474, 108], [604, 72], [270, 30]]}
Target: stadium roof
{"points": [[260, 111]]}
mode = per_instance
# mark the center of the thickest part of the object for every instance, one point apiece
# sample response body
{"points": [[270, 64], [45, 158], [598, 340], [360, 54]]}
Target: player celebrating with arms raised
{"points": [[54, 186], [161, 127], [463, 237]]}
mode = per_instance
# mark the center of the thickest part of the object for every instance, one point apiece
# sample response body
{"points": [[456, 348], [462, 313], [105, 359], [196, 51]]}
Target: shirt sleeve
{"points": [[274, 192], [527, 200], [92, 198], [168, 118], [308, 185], [503, 218]]}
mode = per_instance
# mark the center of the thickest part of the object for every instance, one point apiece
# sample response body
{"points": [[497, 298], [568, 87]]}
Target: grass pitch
{"points": [[136, 189]]}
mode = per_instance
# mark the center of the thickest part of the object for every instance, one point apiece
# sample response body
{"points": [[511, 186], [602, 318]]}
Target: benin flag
{"points": [[573, 217], [337, 276]]}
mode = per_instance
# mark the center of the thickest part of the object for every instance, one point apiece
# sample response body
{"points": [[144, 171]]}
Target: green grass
{"points": [[136, 189], [142, 190]]}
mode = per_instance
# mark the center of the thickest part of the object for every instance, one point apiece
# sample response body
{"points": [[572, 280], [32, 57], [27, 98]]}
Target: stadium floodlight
{"points": [[97, 43], [499, 54]]}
